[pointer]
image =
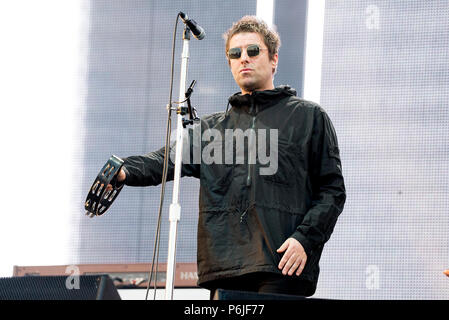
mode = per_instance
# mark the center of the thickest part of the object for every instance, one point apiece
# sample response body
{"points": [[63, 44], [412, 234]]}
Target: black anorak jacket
{"points": [[245, 216]]}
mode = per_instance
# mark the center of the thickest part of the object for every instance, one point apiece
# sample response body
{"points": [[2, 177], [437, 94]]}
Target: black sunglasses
{"points": [[252, 50]]}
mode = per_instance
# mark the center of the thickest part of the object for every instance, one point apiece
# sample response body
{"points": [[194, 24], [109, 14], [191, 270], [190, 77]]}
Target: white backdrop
{"points": [[41, 63], [385, 84]]}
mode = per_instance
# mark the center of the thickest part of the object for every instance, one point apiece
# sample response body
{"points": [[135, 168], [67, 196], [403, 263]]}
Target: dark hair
{"points": [[256, 25]]}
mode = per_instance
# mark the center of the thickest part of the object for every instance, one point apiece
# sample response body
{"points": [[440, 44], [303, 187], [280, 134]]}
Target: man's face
{"points": [[252, 73]]}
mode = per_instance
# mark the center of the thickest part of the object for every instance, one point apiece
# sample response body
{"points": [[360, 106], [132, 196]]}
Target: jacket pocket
{"points": [[289, 160]]}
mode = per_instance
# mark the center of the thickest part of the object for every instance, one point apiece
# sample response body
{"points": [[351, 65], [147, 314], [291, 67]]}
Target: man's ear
{"points": [[274, 62]]}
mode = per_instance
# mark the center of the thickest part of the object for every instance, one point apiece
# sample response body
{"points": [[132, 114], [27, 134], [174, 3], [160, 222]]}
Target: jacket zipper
{"points": [[248, 178], [253, 125], [243, 214]]}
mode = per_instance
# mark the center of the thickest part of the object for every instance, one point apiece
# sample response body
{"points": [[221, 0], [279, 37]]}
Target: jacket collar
{"points": [[260, 99]]}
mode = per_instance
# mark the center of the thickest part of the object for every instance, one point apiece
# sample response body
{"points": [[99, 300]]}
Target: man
{"points": [[261, 232]]}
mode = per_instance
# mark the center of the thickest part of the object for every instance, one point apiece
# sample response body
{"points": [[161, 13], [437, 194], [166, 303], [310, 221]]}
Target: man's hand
{"points": [[121, 176], [294, 258]]}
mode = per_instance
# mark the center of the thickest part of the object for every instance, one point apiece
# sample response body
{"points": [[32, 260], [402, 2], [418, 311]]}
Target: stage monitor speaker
{"points": [[221, 294], [83, 287]]}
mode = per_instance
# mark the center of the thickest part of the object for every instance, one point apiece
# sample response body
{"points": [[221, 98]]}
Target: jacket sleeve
{"points": [[147, 169], [328, 189]]}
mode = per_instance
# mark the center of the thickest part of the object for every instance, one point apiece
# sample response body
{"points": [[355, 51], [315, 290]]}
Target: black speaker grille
{"points": [[91, 287]]}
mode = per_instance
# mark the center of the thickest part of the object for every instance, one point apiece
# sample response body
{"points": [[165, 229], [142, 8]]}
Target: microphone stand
{"points": [[175, 208]]}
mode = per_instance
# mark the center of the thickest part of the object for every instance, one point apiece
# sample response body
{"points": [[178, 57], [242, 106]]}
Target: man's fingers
{"points": [[284, 260], [121, 175], [294, 258], [286, 255], [287, 261], [295, 264], [294, 267], [283, 247], [290, 263], [301, 266]]}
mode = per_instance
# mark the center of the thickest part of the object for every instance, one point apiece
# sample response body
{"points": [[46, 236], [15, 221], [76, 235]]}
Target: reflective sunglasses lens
{"points": [[234, 53], [253, 50]]}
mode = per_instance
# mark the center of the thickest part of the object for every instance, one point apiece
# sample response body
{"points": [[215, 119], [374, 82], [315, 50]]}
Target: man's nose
{"points": [[244, 56]]}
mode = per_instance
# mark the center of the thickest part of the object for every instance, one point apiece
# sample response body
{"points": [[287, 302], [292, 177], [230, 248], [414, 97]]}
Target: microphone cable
{"points": [[164, 173]]}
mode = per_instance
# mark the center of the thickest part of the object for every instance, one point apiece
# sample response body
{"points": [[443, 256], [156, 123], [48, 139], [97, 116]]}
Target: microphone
{"points": [[197, 31]]}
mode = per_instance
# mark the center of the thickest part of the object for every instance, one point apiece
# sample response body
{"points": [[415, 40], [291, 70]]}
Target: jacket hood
{"points": [[262, 99]]}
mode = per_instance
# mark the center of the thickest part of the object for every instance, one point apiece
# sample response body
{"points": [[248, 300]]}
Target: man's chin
{"points": [[248, 87]]}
